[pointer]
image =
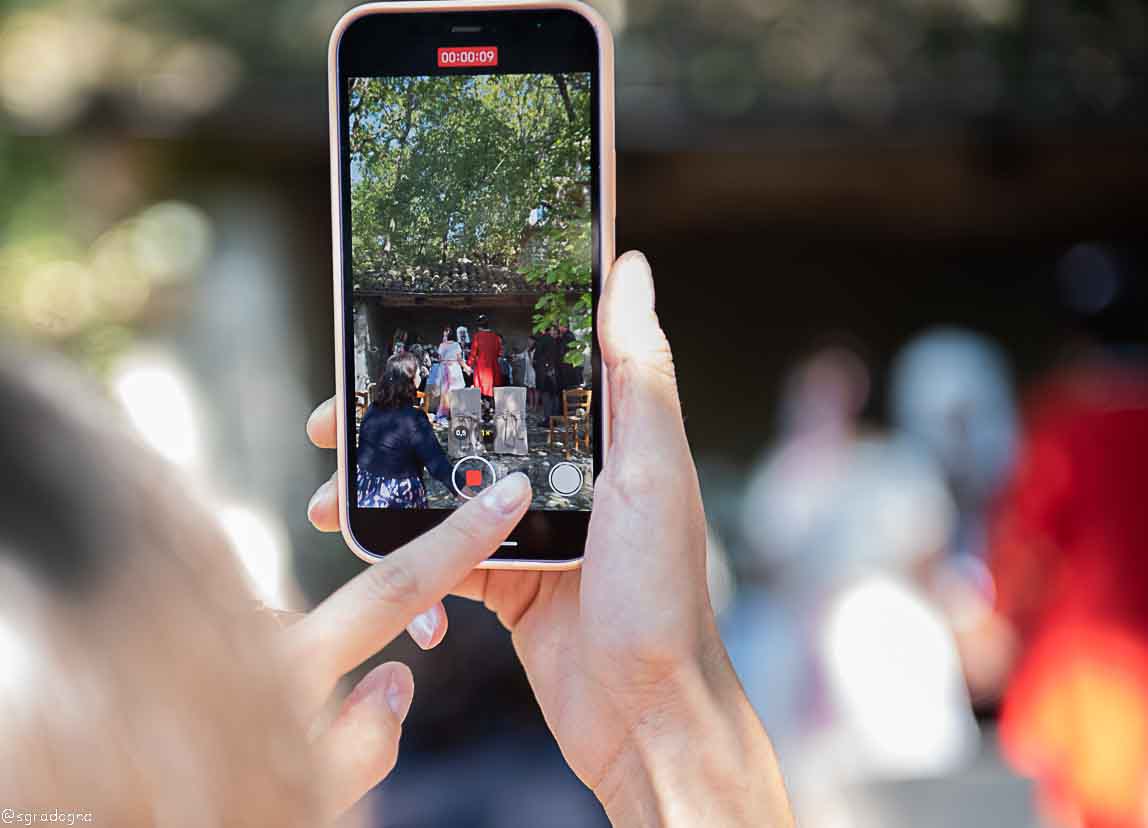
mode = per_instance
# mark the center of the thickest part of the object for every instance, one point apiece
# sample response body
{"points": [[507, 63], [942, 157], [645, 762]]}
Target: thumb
{"points": [[362, 744], [645, 414], [628, 326], [647, 496]]}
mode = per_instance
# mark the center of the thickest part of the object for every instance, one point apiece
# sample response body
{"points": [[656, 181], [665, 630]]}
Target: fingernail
{"points": [[398, 695], [639, 285], [638, 258], [422, 627], [320, 411], [320, 493], [509, 494]]}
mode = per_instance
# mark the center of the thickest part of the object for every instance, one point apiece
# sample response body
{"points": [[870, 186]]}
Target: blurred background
{"points": [[901, 257]]}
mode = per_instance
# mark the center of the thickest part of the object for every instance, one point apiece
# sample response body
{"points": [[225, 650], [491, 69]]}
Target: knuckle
{"points": [[301, 644], [654, 658], [309, 663], [660, 357], [386, 752], [632, 482], [654, 662], [462, 529], [392, 582], [387, 764], [655, 361]]}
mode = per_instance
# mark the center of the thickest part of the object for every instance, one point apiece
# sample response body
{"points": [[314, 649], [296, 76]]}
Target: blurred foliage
{"points": [[890, 63], [85, 83], [817, 60], [85, 245]]}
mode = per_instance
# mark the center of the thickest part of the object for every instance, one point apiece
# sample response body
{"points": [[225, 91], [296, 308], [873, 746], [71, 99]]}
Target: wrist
{"points": [[699, 757]]}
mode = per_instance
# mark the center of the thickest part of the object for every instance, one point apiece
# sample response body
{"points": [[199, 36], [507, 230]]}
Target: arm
{"points": [[705, 760], [623, 654], [430, 453]]}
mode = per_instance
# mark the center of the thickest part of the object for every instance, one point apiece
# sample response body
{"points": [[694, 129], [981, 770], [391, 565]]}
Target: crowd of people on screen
{"points": [[481, 359], [397, 442]]}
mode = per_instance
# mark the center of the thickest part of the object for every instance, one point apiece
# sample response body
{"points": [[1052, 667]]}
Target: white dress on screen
{"points": [[449, 354]]}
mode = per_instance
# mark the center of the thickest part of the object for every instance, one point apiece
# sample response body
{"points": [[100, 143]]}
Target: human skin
{"points": [[623, 654], [359, 746]]}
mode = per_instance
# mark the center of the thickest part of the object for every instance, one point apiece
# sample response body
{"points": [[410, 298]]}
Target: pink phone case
{"points": [[607, 198]]}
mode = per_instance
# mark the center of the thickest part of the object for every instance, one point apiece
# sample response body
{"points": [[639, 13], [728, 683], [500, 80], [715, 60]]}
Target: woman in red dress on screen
{"points": [[485, 349]]}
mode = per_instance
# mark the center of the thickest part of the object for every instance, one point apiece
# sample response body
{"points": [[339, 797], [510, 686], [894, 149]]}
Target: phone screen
{"points": [[471, 264]]}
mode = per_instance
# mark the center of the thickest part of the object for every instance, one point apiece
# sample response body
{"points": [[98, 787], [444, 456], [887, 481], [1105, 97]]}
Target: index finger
{"points": [[362, 616], [321, 425]]}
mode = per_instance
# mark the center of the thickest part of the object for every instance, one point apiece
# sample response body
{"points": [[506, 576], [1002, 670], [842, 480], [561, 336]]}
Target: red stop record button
{"points": [[460, 56]]}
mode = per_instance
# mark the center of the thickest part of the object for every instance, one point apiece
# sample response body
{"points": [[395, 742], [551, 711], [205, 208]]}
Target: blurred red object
{"points": [[1070, 560]]}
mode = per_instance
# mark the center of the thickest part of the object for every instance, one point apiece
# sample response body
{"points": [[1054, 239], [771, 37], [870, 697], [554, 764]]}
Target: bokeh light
{"points": [[57, 297], [17, 660], [171, 240], [160, 403], [260, 543], [892, 665]]}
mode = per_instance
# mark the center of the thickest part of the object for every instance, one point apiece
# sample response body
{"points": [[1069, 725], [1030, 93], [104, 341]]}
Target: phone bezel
{"points": [[544, 539]]}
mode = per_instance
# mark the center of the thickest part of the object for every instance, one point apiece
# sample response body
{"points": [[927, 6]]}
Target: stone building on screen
{"points": [[422, 301]]}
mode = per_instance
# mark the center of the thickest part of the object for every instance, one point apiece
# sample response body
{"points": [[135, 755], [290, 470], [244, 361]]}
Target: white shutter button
{"points": [[566, 479]]}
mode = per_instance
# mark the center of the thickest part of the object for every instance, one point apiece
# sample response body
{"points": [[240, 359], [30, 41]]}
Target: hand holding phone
{"points": [[623, 654]]}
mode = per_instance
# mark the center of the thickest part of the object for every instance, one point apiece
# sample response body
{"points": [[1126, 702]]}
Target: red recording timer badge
{"points": [[456, 57]]}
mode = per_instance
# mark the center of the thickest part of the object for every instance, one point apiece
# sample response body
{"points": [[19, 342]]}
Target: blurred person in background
{"points": [[1068, 556], [397, 443], [821, 402], [843, 651], [951, 392], [951, 395], [114, 571]]}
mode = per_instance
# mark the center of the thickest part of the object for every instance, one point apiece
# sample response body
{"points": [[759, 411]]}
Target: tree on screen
{"points": [[491, 169]]}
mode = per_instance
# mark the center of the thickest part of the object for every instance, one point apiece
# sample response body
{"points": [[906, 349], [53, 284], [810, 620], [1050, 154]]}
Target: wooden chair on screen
{"points": [[574, 423], [363, 401], [423, 401]]}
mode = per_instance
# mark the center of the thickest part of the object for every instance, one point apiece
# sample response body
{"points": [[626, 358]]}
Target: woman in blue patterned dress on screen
{"points": [[396, 443]]}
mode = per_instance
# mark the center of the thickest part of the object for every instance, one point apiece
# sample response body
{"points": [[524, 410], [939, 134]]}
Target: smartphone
{"points": [[472, 177]]}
